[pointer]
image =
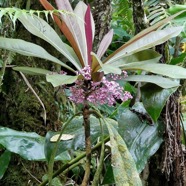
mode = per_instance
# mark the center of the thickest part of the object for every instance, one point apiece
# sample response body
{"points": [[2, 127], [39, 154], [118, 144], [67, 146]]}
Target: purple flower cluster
{"points": [[102, 92]]}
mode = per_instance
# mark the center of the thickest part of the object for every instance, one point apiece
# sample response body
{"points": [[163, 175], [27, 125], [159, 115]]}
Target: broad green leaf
{"points": [[4, 162], [162, 69], [154, 99], [158, 80], [147, 41], [28, 145], [146, 56], [124, 168], [42, 29], [29, 49], [60, 79], [142, 140], [32, 70]]}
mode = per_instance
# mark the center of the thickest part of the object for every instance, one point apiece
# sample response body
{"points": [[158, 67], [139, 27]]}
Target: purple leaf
{"points": [[88, 32], [105, 43]]}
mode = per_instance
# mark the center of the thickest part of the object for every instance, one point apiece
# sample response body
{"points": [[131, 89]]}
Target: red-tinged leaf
{"points": [[64, 29], [107, 39], [72, 23], [142, 34], [88, 32], [97, 76]]}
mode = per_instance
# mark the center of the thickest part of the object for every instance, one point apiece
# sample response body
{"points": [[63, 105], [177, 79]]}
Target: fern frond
{"points": [[14, 13], [156, 11]]}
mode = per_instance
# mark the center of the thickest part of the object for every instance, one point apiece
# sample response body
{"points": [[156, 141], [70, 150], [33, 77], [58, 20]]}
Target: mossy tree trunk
{"points": [[19, 108]]}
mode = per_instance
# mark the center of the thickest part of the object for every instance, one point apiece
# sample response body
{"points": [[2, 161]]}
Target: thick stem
{"points": [[86, 118]]}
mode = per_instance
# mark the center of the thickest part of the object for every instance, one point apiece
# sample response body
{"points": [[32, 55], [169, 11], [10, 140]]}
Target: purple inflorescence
{"points": [[102, 92]]}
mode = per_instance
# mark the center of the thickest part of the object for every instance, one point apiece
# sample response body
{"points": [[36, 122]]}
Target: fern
{"points": [[156, 11], [14, 13]]}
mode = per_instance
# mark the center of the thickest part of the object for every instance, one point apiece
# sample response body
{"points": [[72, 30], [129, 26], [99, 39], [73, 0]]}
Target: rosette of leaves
{"points": [[78, 27]]}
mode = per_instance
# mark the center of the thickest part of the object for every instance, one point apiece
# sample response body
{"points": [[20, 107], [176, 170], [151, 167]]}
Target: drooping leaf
{"points": [[106, 41], [142, 140], [147, 41], [171, 71], [42, 29], [59, 79], [32, 70], [29, 49], [124, 168], [29, 145], [158, 80], [154, 99], [88, 32], [4, 162]]}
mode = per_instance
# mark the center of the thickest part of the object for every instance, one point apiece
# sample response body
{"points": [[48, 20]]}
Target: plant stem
{"points": [[2, 72], [72, 162], [86, 118]]}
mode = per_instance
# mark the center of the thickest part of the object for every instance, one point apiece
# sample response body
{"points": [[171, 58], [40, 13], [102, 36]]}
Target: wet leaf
{"points": [[142, 140], [154, 99]]}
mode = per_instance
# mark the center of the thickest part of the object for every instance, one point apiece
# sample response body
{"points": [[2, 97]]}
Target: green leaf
{"points": [[154, 99], [109, 176], [61, 154], [147, 56], [147, 41], [32, 71], [158, 80], [124, 168], [59, 79], [180, 59], [162, 69], [29, 49], [142, 140], [4, 162], [42, 29], [177, 8], [28, 145], [76, 128]]}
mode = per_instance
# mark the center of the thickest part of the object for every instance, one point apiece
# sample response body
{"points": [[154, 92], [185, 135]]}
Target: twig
{"points": [[30, 173], [38, 98]]}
